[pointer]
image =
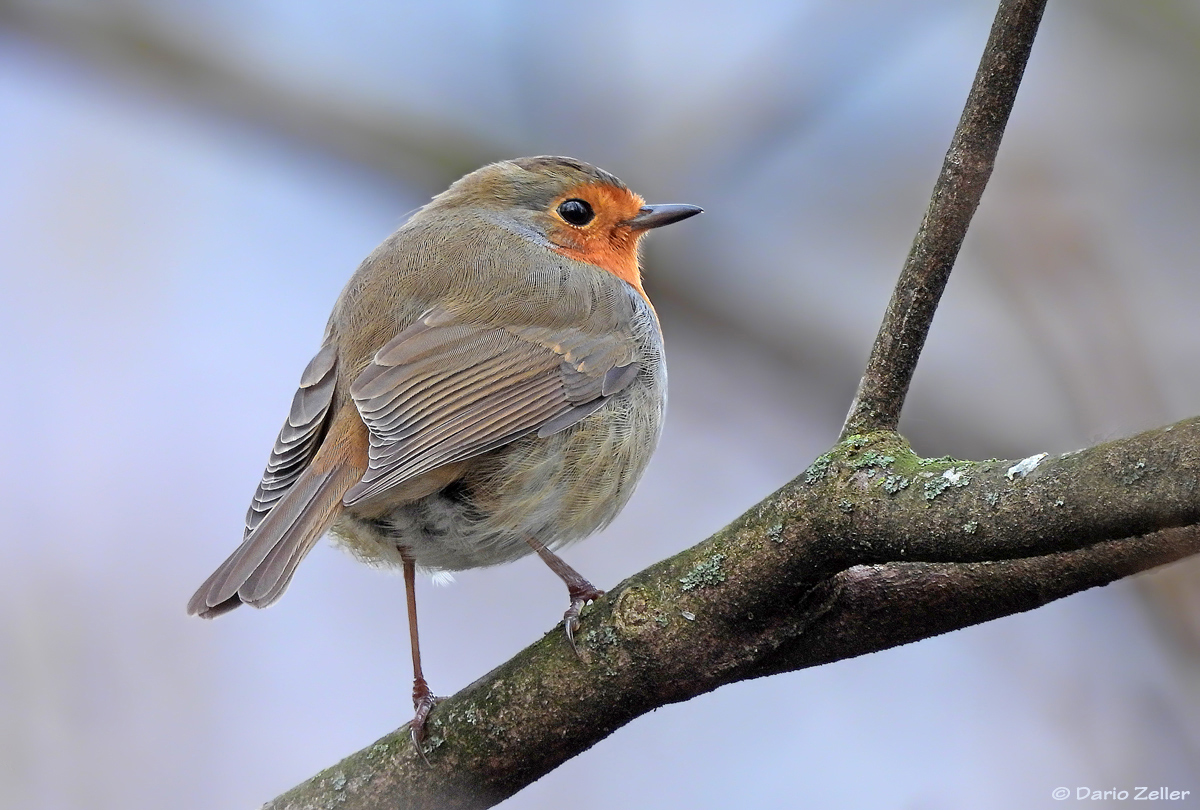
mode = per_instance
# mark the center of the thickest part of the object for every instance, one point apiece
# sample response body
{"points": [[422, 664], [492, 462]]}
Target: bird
{"points": [[491, 383]]}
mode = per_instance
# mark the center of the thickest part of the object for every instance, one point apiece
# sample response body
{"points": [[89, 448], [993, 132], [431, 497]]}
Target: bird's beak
{"points": [[655, 216]]}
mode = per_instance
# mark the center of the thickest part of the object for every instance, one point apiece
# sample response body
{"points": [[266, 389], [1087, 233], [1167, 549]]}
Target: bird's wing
{"points": [[300, 436], [442, 391], [295, 501]]}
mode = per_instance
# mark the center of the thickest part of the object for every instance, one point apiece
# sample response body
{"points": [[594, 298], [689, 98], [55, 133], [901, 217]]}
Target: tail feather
{"points": [[286, 570], [266, 582], [259, 571]]}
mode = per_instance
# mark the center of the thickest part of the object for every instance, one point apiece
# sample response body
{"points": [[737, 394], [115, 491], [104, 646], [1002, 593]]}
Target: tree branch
{"points": [[956, 195], [871, 548]]}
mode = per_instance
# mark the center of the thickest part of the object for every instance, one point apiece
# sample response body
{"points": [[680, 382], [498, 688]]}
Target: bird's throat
{"points": [[620, 261]]}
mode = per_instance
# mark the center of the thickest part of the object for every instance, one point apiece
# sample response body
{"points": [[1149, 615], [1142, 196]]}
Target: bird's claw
{"points": [[579, 597], [423, 702]]}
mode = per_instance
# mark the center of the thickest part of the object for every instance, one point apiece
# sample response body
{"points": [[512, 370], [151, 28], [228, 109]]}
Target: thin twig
{"points": [[956, 195]]}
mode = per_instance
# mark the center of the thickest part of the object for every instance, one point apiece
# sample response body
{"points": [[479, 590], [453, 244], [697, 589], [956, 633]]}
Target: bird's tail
{"points": [[259, 571]]}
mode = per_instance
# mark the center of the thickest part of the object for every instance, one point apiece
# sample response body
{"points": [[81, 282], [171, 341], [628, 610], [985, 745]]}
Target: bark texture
{"points": [[870, 548]]}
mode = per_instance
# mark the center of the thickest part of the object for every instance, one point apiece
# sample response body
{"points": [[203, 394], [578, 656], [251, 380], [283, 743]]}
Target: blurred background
{"points": [[185, 185]]}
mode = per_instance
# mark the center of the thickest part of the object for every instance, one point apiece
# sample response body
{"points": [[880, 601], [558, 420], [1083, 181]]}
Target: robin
{"points": [[490, 384]]}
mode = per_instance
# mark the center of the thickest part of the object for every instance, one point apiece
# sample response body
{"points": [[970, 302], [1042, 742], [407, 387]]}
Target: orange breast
{"points": [[621, 263]]}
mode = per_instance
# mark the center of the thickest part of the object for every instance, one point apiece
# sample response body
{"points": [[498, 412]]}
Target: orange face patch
{"points": [[603, 241]]}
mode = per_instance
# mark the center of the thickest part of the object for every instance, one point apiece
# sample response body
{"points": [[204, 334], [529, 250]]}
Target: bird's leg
{"points": [[578, 589], [423, 699]]}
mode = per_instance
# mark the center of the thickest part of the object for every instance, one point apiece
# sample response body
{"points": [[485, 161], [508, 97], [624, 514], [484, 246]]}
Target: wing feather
{"points": [[299, 437], [443, 391]]}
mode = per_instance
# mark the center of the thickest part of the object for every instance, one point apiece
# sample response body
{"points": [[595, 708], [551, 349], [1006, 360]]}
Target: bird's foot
{"points": [[423, 701], [579, 589], [581, 592]]}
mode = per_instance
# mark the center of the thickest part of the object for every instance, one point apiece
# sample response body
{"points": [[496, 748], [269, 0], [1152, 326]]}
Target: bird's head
{"points": [[572, 207]]}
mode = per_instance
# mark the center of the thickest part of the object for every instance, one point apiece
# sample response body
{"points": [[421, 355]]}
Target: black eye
{"points": [[576, 212]]}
